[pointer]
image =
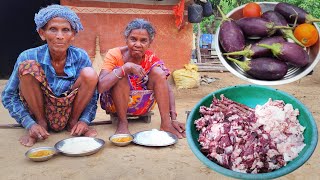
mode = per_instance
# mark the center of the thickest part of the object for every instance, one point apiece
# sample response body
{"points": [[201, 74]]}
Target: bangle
{"points": [[174, 120], [123, 72], [114, 72], [173, 112]]}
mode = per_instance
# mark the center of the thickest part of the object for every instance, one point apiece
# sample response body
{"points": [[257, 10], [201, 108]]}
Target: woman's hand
{"points": [[176, 128], [134, 69], [179, 126], [38, 132], [79, 129]]}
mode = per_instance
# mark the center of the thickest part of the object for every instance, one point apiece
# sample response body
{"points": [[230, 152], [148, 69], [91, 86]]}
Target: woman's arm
{"points": [[172, 104], [108, 79], [11, 99], [180, 127]]}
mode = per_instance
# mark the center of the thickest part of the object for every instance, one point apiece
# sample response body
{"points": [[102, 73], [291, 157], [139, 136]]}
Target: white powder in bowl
{"points": [[77, 146], [154, 138]]}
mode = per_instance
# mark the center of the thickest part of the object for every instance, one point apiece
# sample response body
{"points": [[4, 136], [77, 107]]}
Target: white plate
{"points": [[79, 146], [155, 138]]}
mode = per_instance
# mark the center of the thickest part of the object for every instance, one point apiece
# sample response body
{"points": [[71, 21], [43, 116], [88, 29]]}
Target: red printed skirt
{"points": [[57, 109]]}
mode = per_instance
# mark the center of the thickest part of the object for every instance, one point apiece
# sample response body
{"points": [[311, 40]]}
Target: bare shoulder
{"points": [[124, 49], [125, 53]]}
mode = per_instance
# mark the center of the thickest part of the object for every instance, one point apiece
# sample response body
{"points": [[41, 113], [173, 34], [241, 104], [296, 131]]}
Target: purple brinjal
{"points": [[256, 27], [290, 12], [263, 68], [231, 36], [279, 20], [289, 52], [255, 51]]}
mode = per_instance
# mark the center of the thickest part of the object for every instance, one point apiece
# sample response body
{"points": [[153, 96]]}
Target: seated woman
{"points": [[53, 86], [132, 79]]}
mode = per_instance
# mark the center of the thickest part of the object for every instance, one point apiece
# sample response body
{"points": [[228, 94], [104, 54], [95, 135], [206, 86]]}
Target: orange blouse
{"points": [[114, 59]]}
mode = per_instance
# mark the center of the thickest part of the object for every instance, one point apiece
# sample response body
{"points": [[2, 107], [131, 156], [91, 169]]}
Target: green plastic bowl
{"points": [[251, 95]]}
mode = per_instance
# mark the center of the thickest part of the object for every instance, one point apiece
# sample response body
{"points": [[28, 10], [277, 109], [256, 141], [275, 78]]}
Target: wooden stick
{"points": [[18, 126], [100, 123], [10, 126]]}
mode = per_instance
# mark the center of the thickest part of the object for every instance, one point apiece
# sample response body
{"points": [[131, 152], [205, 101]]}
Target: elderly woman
{"points": [[53, 86], [132, 79]]}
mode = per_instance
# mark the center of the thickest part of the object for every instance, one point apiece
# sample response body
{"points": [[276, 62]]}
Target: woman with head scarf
{"points": [[53, 86], [132, 79]]}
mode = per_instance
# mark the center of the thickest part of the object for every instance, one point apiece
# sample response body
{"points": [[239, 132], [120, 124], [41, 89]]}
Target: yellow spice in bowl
{"points": [[41, 153], [121, 139]]}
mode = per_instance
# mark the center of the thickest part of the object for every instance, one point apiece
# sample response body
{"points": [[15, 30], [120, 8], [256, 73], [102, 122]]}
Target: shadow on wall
{"points": [[18, 30]]}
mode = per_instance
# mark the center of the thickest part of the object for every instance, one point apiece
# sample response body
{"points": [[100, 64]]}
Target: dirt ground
{"points": [[138, 162]]}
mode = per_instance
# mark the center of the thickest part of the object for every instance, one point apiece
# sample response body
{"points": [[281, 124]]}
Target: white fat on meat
{"points": [[280, 120]]}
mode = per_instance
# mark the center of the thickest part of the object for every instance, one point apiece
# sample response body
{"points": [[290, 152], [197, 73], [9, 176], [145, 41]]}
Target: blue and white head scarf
{"points": [[53, 11]]}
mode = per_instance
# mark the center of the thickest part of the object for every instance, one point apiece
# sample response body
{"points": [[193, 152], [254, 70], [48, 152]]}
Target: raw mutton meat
{"points": [[232, 135]]}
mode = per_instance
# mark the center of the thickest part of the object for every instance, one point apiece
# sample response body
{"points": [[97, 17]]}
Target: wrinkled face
{"points": [[138, 42], [58, 34]]}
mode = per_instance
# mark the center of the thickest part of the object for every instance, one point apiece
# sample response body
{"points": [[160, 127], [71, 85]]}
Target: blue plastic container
{"points": [[206, 41]]}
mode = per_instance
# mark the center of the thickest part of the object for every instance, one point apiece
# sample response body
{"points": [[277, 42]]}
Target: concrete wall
{"points": [[108, 21]]}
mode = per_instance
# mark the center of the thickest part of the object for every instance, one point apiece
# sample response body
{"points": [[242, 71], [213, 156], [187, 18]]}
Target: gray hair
{"points": [[140, 24]]}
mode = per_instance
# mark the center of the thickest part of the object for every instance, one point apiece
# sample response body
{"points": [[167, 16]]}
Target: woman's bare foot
{"points": [[91, 133], [122, 128], [27, 140]]}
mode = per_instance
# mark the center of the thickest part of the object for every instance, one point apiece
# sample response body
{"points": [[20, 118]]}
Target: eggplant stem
{"points": [[281, 27], [243, 64], [275, 48], [289, 34], [311, 19], [296, 18], [224, 17], [247, 52]]}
